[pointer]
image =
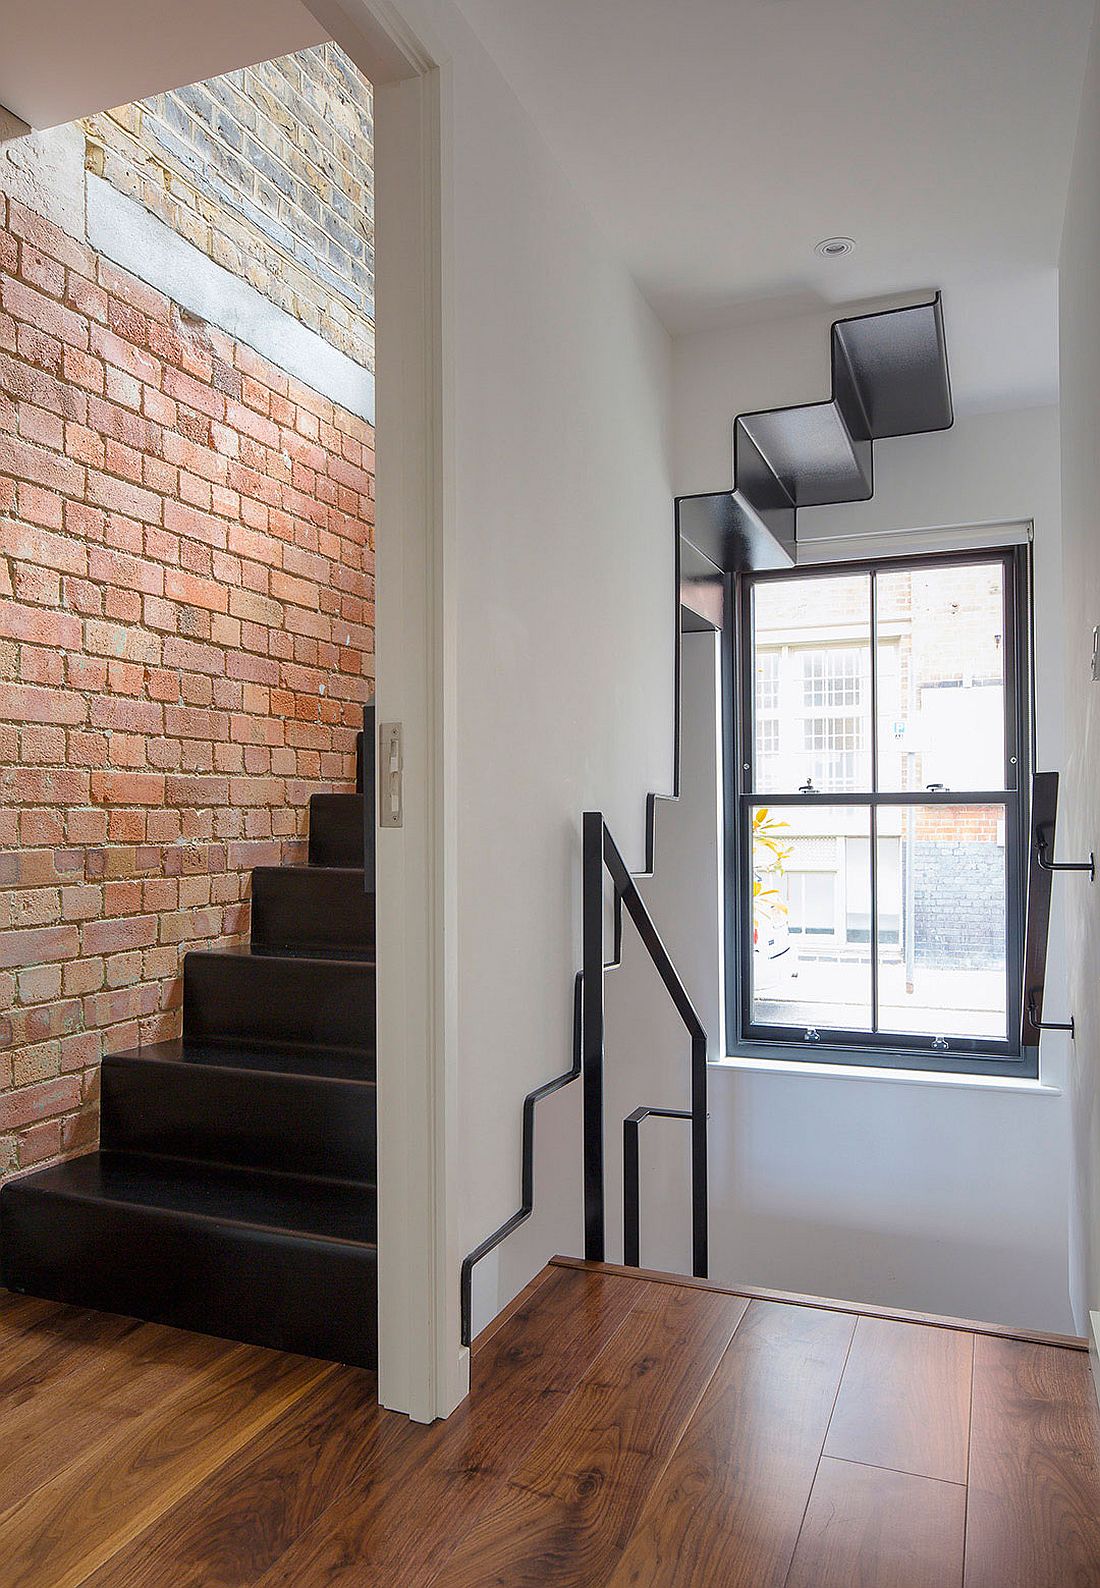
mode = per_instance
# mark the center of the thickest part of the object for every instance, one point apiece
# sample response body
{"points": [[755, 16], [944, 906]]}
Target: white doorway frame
{"points": [[423, 1369]]}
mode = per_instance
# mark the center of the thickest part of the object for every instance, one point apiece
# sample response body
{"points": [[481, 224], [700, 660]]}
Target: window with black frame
{"points": [[879, 834]]}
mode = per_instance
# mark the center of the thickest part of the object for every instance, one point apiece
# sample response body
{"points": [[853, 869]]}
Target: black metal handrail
{"points": [[600, 851], [632, 1191], [595, 856], [527, 1170]]}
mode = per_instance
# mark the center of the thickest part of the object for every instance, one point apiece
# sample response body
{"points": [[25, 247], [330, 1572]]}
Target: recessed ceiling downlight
{"points": [[834, 247]]}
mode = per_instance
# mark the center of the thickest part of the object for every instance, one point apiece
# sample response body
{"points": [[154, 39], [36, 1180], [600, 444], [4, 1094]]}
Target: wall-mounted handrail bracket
{"points": [[1047, 1025], [1044, 849]]}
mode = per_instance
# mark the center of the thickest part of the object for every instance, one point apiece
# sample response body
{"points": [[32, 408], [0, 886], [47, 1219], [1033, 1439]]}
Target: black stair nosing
{"points": [[72, 1181], [195, 1056], [204, 1167], [306, 870], [238, 952]]}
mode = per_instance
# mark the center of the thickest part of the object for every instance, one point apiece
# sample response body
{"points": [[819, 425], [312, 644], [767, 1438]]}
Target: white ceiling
{"points": [[60, 59], [716, 141]]}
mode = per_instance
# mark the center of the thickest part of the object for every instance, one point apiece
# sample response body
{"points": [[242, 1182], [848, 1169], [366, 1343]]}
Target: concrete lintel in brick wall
{"points": [[128, 234]]}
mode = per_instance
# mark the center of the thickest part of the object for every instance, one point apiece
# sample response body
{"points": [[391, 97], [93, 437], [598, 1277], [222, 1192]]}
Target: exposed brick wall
{"points": [[269, 172], [186, 630]]}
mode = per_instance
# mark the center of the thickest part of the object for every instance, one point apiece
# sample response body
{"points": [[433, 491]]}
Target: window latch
{"points": [[935, 788], [808, 787]]}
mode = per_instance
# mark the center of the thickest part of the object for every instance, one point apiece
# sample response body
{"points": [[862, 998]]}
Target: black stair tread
{"points": [[812, 453], [898, 360], [316, 1064], [245, 951], [329, 1210], [312, 871]]}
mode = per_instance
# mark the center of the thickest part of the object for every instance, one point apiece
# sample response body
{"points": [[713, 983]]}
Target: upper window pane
{"points": [[812, 684], [941, 677]]}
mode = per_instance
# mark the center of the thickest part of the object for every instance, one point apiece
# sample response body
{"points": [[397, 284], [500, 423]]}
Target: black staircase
{"points": [[234, 1188], [889, 378]]}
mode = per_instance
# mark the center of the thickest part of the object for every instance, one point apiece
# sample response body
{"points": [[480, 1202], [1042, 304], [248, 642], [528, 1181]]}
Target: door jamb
{"points": [[423, 1370]]}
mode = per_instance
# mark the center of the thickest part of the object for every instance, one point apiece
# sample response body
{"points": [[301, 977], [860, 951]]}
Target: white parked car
{"points": [[771, 942]]}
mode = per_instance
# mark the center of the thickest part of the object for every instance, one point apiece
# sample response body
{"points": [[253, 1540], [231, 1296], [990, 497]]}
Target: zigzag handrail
{"points": [[527, 1169], [527, 1165]]}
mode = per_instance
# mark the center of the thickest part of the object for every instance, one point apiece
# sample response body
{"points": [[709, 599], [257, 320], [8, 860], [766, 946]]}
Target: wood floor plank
{"points": [[103, 1381], [38, 1358], [1033, 1505], [730, 1503], [65, 1530], [381, 1536], [18, 1313], [230, 1528], [904, 1400], [867, 1527], [566, 1513]]}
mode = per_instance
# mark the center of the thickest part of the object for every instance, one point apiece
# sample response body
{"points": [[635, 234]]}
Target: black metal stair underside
{"points": [[889, 378], [234, 1188]]}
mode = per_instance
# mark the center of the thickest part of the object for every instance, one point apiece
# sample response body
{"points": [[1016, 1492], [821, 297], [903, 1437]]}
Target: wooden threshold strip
{"points": [[999, 1331]]}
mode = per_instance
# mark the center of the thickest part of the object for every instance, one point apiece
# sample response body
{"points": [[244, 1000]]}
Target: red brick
{"points": [[36, 309], [21, 949], [205, 593], [41, 427], [122, 610], [42, 234], [120, 496], [83, 369], [110, 936], [28, 703], [43, 468], [133, 361], [19, 622], [127, 788]]}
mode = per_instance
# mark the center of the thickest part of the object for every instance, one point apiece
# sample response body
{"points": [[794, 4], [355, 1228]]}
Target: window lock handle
{"points": [[808, 787]]}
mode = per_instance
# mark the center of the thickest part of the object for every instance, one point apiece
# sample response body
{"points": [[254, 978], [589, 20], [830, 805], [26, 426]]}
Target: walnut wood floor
{"points": [[621, 1431]]}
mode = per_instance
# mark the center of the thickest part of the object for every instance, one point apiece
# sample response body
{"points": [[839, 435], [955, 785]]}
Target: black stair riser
{"points": [[296, 1124], [336, 834], [255, 999], [281, 1289], [321, 908]]}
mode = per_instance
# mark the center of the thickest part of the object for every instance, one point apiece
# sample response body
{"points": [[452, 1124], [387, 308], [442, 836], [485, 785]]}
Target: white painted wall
{"points": [[558, 575], [1080, 821], [948, 1198]]}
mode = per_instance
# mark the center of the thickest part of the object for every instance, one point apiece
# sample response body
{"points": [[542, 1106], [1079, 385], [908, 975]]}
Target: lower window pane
{"points": [[942, 915], [811, 917]]}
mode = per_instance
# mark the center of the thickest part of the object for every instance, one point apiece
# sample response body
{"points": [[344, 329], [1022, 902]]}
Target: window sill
{"points": [[864, 1072]]}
